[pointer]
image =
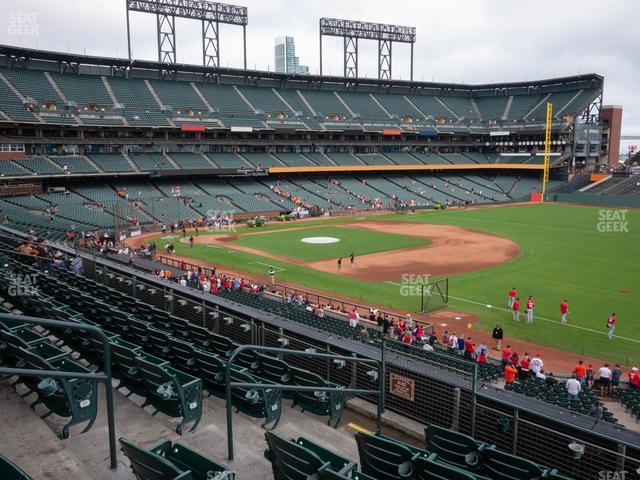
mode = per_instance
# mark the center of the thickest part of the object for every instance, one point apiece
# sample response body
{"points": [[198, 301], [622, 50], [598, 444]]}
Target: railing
{"points": [[263, 386], [106, 377]]}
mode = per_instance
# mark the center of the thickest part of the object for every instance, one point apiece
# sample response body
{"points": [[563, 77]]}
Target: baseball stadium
{"points": [[210, 272]]}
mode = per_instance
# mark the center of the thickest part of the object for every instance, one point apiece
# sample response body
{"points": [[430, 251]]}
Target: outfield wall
{"points": [[598, 200]]}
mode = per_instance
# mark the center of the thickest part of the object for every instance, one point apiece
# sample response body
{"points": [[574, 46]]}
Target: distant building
{"points": [[285, 57]]}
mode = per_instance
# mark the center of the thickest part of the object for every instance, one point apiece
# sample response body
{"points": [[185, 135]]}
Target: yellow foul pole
{"points": [[547, 149]]}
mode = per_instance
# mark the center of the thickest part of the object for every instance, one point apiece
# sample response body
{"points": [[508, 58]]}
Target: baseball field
{"points": [[552, 252]]}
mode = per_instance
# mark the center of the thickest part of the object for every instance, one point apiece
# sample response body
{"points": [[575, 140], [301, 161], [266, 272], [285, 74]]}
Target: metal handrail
{"points": [[277, 386], [106, 377]]}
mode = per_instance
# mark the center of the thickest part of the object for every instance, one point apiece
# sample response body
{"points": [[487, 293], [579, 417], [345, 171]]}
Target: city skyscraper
{"points": [[285, 57]]}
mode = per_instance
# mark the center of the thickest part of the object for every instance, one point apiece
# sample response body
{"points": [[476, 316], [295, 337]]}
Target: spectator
{"points": [[590, 376], [574, 387], [536, 364], [506, 354], [605, 379], [461, 343], [581, 372], [634, 379], [354, 317], [509, 373], [525, 364], [497, 336], [615, 376], [364, 335], [597, 409], [453, 341], [468, 349]]}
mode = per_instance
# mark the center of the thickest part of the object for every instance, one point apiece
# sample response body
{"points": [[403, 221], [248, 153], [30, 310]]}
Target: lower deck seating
{"points": [[556, 394], [630, 398]]}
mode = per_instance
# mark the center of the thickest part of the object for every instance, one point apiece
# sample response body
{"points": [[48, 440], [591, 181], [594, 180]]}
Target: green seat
{"points": [[168, 461], [172, 392], [66, 397], [256, 402], [432, 469], [384, 458], [302, 460], [321, 403], [499, 465], [454, 447], [10, 471]]}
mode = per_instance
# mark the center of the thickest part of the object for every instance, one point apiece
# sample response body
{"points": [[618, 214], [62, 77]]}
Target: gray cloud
{"points": [[459, 40]]}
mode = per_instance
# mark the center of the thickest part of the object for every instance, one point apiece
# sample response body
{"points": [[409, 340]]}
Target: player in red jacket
{"points": [[515, 308], [564, 309], [529, 308], [512, 296]]}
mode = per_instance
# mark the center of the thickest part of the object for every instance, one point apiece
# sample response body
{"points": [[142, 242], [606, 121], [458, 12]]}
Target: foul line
{"points": [[277, 269], [535, 316], [547, 319]]}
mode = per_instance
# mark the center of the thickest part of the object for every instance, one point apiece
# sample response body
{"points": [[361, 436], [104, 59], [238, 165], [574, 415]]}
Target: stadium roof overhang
{"points": [[10, 55]]}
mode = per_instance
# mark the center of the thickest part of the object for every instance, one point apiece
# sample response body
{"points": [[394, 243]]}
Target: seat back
{"points": [[453, 447], [273, 369], [291, 461], [500, 465], [431, 469], [147, 465], [200, 466], [383, 458]]}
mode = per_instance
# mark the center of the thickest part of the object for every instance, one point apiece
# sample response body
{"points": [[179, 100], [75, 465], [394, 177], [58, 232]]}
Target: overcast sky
{"points": [[473, 41]]}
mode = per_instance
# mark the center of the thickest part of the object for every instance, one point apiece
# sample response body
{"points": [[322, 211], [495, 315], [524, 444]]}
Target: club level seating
{"points": [[191, 160], [151, 161], [402, 158], [167, 461], [263, 160], [40, 166], [11, 169], [374, 159], [10, 471], [301, 459], [294, 160], [111, 162], [228, 160], [74, 163]]}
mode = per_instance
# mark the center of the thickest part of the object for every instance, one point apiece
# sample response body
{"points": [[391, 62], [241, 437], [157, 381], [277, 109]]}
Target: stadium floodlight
{"points": [[211, 14], [352, 30]]}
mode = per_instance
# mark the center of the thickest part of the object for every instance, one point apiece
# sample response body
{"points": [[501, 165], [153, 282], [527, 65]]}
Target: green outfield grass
{"points": [[563, 255], [361, 241]]}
